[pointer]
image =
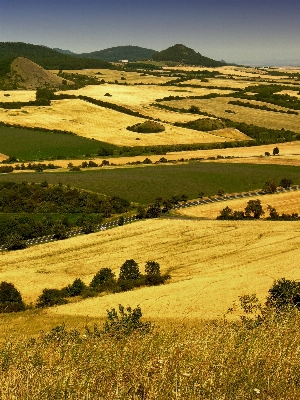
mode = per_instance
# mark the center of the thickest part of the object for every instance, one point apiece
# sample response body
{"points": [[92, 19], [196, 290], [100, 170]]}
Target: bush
{"points": [[14, 241], [284, 294], [126, 322], [51, 297], [147, 127], [10, 298]]}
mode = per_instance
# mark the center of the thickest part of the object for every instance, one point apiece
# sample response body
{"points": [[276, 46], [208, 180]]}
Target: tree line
{"points": [[104, 281]]}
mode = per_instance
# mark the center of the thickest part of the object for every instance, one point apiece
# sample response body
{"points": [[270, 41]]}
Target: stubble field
{"points": [[211, 264]]}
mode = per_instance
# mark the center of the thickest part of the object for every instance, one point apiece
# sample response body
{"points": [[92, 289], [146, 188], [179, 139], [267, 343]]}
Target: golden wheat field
{"points": [[211, 264], [287, 203], [103, 124], [217, 106]]}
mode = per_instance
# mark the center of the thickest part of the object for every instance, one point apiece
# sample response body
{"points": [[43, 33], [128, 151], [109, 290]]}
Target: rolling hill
{"points": [[185, 55], [114, 54], [45, 57]]}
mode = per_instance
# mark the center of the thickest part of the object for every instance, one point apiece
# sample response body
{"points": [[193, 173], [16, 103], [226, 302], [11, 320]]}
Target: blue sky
{"points": [[233, 30]]}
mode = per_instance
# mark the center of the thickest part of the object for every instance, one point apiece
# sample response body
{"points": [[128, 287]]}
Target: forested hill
{"points": [[46, 57], [184, 55], [114, 54]]}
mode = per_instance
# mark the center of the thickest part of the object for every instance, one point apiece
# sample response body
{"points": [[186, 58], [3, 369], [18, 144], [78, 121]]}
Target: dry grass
{"points": [[17, 95], [283, 202], [103, 124], [211, 264], [218, 106]]}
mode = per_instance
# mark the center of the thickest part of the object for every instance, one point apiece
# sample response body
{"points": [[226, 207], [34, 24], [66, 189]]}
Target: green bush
{"points": [[129, 271], [125, 323], [284, 294], [14, 241], [147, 127], [51, 297], [10, 298]]}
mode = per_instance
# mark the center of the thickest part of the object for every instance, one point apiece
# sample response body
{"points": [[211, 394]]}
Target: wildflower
{"points": [[257, 391]]}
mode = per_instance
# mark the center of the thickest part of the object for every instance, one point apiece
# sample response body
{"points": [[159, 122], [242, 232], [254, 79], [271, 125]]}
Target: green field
{"points": [[144, 184], [32, 145]]}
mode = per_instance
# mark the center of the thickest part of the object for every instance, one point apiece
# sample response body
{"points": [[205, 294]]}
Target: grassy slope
{"points": [[143, 185], [211, 264]]}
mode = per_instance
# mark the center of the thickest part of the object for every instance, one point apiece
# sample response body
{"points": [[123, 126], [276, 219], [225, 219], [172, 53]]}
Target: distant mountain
{"points": [[70, 53], [46, 57], [184, 55], [114, 54]]}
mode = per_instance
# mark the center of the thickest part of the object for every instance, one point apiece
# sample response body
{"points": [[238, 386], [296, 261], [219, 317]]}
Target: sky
{"points": [[233, 30]]}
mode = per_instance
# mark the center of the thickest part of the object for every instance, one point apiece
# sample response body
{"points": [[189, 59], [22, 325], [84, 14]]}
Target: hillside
{"points": [[185, 55], [114, 54], [211, 263], [46, 57], [26, 74]]}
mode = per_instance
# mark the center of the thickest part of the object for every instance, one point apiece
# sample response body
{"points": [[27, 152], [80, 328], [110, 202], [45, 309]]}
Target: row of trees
{"points": [[103, 281], [160, 206], [43, 198]]}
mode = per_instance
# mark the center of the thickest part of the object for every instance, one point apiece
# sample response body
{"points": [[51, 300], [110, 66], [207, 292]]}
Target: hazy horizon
{"points": [[235, 30]]}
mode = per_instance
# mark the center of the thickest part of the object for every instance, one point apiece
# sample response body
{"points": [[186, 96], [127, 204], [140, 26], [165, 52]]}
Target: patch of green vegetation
{"points": [[144, 185], [28, 144], [147, 127]]}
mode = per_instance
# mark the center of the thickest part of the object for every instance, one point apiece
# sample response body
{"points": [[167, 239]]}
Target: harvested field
{"points": [[102, 124], [217, 106], [110, 75], [17, 95], [211, 264], [287, 203], [138, 96]]}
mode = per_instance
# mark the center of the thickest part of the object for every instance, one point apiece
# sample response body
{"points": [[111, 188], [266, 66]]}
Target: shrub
{"points": [[14, 241], [10, 298], [126, 322], [147, 127], [284, 294], [59, 231], [50, 297]]}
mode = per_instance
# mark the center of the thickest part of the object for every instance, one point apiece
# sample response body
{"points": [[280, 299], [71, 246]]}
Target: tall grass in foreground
{"points": [[217, 360]]}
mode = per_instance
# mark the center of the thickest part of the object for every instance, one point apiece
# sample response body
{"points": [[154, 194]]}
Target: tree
{"points": [[103, 277], [152, 268], [275, 151], [129, 270], [10, 298], [254, 209], [272, 212], [285, 183], [270, 187], [75, 289]]}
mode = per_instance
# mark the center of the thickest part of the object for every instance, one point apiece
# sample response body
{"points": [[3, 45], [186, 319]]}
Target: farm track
{"points": [[128, 220]]}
